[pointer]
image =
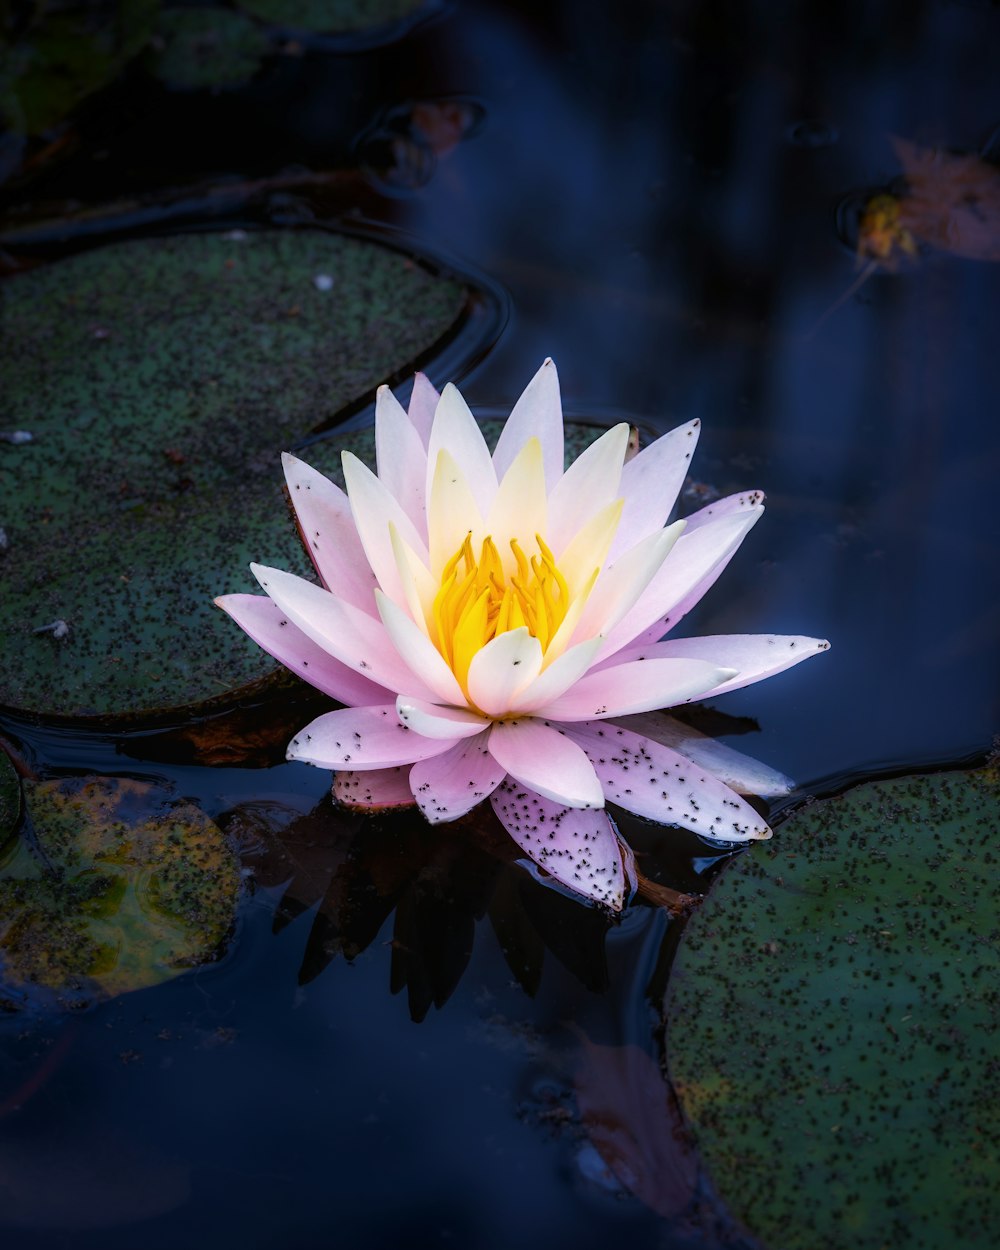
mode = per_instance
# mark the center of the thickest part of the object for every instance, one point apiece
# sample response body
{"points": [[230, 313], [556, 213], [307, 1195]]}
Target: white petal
{"points": [[455, 430], [519, 507], [271, 629], [452, 512], [620, 585], [578, 848], [743, 501], [589, 547], [638, 687], [423, 404], [653, 781], [503, 667], [589, 484], [740, 772], [546, 761], [557, 677], [452, 784], [361, 738], [419, 588], [348, 634], [327, 527], [374, 510], [433, 720], [420, 655], [651, 482], [697, 559], [401, 458], [537, 413]]}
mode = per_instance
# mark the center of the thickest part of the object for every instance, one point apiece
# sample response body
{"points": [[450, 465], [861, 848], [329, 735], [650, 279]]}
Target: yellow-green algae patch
{"points": [[834, 1017], [119, 886]]}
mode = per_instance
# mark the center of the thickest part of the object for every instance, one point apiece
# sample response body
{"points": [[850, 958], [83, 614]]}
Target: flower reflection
{"points": [[488, 620]]}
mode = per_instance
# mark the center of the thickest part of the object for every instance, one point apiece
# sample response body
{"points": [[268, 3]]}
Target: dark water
{"points": [[664, 191]]}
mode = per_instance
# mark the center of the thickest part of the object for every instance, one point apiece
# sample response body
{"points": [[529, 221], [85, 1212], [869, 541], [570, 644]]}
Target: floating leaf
{"points": [[125, 886], [834, 1016], [207, 48], [161, 378]]}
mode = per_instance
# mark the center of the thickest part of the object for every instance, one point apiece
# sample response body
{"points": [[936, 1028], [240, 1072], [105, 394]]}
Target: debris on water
{"points": [[58, 628], [323, 282], [16, 437], [4, 540]]}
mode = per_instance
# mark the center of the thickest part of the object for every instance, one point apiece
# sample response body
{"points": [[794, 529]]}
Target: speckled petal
{"points": [[452, 784], [754, 656], [637, 687], [271, 629], [327, 528], [560, 675], [546, 761], [401, 458], [344, 631], [377, 789], [503, 667], [579, 849], [651, 482], [432, 720], [537, 413], [653, 781], [362, 738]]}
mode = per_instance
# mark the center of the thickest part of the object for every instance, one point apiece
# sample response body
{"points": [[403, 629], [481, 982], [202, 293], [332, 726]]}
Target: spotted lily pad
{"points": [[331, 16], [160, 379], [10, 798], [834, 1019], [207, 48], [125, 886]]}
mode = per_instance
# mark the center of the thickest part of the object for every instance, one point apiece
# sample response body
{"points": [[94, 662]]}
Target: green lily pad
{"points": [[834, 1018], [207, 48], [331, 16], [10, 798], [126, 887], [160, 379]]}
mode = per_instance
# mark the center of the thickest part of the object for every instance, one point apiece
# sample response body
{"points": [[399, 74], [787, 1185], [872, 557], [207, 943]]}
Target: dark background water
{"points": [[665, 192]]}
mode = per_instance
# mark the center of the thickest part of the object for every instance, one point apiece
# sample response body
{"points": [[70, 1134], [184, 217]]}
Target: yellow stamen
{"points": [[477, 600]]}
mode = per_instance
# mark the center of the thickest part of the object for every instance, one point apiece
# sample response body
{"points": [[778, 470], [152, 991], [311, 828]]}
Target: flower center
{"points": [[477, 600]]}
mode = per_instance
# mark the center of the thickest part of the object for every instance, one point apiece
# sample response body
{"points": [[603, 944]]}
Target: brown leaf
{"points": [[952, 201]]}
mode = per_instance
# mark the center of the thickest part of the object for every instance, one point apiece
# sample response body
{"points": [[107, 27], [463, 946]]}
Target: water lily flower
{"points": [[489, 621]]}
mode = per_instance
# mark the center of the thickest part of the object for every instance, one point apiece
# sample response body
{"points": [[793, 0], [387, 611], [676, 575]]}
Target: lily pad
{"points": [[331, 16], [834, 1016], [125, 886], [207, 48], [160, 379]]}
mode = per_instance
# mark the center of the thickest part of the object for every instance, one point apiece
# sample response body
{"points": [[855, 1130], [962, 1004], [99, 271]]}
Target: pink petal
{"points": [[590, 483], [342, 630], [651, 482], [503, 667], [330, 536], [543, 759], [557, 678], [432, 720], [362, 738], [743, 501], [692, 567], [621, 584], [653, 781], [374, 790], [754, 656], [401, 458], [579, 849], [452, 784], [374, 510], [271, 629], [423, 404], [538, 412], [740, 772], [640, 686]]}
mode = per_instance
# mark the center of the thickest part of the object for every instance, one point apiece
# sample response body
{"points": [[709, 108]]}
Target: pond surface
{"points": [[408, 1037]]}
